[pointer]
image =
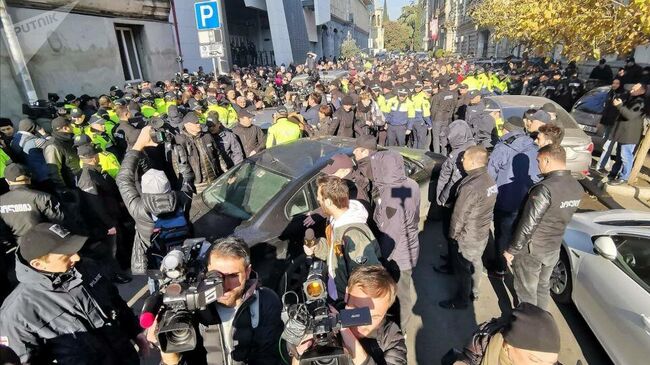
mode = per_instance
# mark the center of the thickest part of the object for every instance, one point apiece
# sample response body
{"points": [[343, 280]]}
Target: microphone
{"points": [[150, 309], [310, 239]]}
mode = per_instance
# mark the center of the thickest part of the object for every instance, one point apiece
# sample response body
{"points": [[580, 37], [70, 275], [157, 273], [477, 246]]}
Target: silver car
{"points": [[576, 142], [604, 268]]}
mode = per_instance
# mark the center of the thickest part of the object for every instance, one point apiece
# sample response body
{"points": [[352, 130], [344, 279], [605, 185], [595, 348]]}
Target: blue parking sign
{"points": [[207, 15]]}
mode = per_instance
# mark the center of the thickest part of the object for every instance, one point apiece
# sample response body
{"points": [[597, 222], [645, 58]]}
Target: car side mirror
{"points": [[606, 247]]}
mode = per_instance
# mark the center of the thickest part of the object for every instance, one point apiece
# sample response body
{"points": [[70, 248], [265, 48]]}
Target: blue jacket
{"points": [[29, 149], [513, 165]]}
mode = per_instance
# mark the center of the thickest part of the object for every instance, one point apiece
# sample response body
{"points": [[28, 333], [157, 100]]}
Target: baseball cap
{"points": [[16, 172], [549, 108], [26, 125], [402, 91], [190, 118], [96, 119], [514, 123], [119, 102], [337, 162], [87, 150], [541, 116], [58, 123], [194, 105], [70, 97], [474, 93], [48, 238], [81, 140], [155, 182], [76, 113], [347, 100], [282, 110], [366, 141]]}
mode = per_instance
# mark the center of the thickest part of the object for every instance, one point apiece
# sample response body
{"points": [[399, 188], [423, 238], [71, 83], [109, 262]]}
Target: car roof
{"points": [[297, 158], [518, 104]]}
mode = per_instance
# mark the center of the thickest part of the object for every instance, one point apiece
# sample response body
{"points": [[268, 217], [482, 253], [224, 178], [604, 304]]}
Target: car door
{"points": [[614, 298]]}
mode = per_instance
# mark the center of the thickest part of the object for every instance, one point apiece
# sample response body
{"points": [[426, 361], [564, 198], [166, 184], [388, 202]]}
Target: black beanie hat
{"points": [[532, 328]]}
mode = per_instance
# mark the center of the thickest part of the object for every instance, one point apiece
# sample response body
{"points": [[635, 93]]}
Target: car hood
{"points": [[612, 222]]}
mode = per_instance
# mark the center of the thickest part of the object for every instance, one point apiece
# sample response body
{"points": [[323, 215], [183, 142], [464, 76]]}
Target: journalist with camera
{"points": [[368, 337], [243, 325]]}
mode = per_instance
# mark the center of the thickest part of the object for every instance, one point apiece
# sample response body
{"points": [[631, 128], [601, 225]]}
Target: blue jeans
{"points": [[623, 167], [607, 148]]}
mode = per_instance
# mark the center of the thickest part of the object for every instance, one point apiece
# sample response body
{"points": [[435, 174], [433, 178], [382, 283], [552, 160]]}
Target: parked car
{"points": [[264, 199], [588, 110], [577, 144], [325, 77], [604, 268]]}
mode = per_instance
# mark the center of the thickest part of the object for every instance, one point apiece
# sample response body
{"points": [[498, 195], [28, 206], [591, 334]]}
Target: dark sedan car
{"points": [[588, 110], [263, 200]]}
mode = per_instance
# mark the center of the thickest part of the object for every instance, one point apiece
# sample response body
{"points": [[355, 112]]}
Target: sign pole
{"points": [[217, 72]]}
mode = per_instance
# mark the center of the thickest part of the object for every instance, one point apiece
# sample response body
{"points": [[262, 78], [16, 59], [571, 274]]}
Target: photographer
{"points": [[381, 342], [151, 207], [244, 324], [349, 242]]}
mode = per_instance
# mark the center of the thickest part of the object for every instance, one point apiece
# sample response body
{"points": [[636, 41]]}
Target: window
{"points": [[634, 258], [298, 204], [126, 42]]}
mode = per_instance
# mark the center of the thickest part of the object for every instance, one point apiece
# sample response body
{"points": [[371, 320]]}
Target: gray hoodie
{"points": [[397, 209]]}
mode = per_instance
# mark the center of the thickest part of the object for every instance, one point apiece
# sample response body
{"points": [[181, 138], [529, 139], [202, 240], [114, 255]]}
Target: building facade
{"points": [[275, 32], [379, 15], [85, 47]]}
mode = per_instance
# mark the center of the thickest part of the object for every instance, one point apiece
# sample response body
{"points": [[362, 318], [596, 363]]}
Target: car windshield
{"points": [[244, 190], [592, 102]]}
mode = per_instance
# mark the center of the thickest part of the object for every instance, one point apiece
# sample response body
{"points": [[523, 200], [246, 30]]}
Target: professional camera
{"points": [[159, 132], [313, 317], [42, 108], [184, 287]]}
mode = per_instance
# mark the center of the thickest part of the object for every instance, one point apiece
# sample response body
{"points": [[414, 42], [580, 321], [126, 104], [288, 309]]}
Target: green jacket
{"points": [[283, 131], [353, 245], [4, 161], [109, 163]]}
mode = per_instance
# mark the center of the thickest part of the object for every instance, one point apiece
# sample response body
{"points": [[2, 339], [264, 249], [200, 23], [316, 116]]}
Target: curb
{"points": [[603, 191]]}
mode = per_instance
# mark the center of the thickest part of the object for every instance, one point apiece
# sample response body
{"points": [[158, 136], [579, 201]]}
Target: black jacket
{"points": [[386, 346], [443, 105], [451, 172], [343, 123], [252, 138], [142, 207], [629, 125], [603, 74], [231, 150], [472, 216], [610, 112], [201, 153], [22, 208], [546, 214], [100, 199], [75, 318], [256, 331], [474, 351]]}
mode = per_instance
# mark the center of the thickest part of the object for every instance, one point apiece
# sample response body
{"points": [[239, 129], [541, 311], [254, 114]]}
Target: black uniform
{"points": [[22, 208], [343, 123], [538, 236], [252, 138], [443, 105]]}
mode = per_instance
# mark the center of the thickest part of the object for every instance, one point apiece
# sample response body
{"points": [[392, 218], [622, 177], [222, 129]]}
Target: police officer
{"points": [[23, 207], [100, 201], [535, 246], [470, 226], [443, 105], [147, 108], [422, 123], [400, 118], [64, 310], [475, 108], [79, 122], [61, 157]]}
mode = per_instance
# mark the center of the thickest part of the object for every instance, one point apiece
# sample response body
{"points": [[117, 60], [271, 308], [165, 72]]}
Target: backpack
{"points": [[169, 230]]}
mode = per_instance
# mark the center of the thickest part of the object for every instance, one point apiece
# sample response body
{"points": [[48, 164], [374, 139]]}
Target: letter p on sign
{"points": [[207, 15]]}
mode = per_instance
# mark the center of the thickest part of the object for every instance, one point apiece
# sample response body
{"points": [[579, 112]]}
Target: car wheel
{"points": [[561, 281], [294, 276]]}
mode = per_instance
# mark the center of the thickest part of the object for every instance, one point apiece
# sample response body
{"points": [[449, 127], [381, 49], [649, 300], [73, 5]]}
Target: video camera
{"points": [[183, 288], [159, 132], [313, 317], [42, 108]]}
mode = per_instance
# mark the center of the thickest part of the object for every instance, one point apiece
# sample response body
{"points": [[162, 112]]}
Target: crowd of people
{"points": [[97, 193]]}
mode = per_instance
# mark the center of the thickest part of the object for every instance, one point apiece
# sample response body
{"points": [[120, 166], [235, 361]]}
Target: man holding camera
{"points": [[348, 241], [243, 326], [380, 342]]}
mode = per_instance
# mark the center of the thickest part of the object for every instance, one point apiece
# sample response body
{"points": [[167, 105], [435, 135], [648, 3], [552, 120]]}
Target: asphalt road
{"points": [[436, 330]]}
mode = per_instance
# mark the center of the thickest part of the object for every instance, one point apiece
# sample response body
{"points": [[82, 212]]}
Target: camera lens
{"points": [[180, 336]]}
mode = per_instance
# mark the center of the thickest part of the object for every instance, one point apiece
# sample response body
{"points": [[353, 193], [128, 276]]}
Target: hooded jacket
{"points": [[460, 138], [513, 165], [29, 148], [143, 208], [359, 247], [75, 318], [472, 216], [397, 209]]}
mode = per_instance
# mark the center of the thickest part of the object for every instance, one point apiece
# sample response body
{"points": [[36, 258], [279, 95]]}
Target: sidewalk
{"points": [[621, 196]]}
